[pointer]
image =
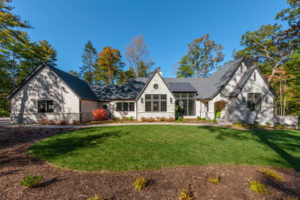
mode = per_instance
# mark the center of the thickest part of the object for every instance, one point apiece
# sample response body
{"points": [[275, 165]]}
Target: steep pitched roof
{"points": [[208, 88], [181, 87], [78, 86], [240, 85], [128, 91]]}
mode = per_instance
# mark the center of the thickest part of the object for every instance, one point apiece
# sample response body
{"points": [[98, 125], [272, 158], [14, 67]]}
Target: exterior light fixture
{"points": [[142, 100], [171, 100]]}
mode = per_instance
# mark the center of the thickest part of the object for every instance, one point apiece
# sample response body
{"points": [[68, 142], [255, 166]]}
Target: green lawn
{"points": [[122, 148]]}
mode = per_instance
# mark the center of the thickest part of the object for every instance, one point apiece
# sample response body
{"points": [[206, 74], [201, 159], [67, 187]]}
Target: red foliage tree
{"points": [[99, 114]]}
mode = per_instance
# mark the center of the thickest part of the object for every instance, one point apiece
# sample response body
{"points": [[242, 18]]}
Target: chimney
{"points": [[158, 69]]}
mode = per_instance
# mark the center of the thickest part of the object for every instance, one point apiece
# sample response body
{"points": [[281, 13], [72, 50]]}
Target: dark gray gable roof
{"points": [[181, 87], [240, 85], [128, 91], [208, 88], [80, 87]]}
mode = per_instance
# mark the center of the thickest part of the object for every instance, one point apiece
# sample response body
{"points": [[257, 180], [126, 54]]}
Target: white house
{"points": [[236, 92]]}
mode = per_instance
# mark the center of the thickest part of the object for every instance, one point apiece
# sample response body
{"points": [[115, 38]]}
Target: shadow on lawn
{"points": [[279, 141], [61, 145]]}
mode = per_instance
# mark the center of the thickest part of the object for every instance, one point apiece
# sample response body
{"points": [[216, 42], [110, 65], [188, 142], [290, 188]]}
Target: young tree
{"points": [[108, 65], [185, 69], [89, 60], [137, 55], [203, 56]]}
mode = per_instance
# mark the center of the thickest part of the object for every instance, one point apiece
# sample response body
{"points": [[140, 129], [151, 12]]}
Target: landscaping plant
{"points": [[99, 114], [271, 174], [184, 195], [96, 197], [215, 180], [140, 183], [258, 187], [31, 181]]}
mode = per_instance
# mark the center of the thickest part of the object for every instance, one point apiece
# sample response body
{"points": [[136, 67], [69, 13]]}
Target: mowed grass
{"points": [[140, 147]]}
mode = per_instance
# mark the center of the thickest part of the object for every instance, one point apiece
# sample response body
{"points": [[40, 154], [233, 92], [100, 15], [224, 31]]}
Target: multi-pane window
{"points": [[45, 106], [185, 103], [253, 101], [155, 103], [125, 106]]}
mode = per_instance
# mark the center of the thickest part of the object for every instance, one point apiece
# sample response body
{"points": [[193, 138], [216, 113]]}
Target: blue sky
{"points": [[167, 25]]}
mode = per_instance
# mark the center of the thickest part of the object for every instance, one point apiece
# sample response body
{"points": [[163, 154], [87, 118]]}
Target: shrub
{"points": [[151, 119], [258, 187], [75, 122], [140, 183], [117, 118], [198, 118], [144, 119], [204, 119], [125, 118], [271, 174], [96, 197], [179, 119], [268, 124], [218, 114], [52, 122], [279, 126], [63, 122], [214, 121], [130, 118], [184, 195], [99, 114], [171, 119], [215, 180], [162, 119], [31, 181], [238, 124], [157, 118], [43, 121], [4, 113]]}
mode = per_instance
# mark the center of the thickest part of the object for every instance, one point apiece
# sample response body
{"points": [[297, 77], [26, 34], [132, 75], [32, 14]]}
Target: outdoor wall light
{"points": [[142, 100], [171, 100]]}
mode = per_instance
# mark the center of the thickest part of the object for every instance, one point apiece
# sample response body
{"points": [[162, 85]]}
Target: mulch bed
{"points": [[164, 184]]}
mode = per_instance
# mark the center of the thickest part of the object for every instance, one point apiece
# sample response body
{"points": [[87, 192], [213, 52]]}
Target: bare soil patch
{"points": [[165, 183]]}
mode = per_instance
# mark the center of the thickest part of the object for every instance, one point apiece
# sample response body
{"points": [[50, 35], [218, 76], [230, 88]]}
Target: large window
{"points": [[125, 106], [253, 101], [155, 103], [185, 103], [45, 106]]}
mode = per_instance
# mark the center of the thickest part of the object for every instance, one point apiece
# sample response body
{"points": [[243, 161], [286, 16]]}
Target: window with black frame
{"points": [[185, 104], [45, 106], [253, 101], [156, 103], [125, 106]]}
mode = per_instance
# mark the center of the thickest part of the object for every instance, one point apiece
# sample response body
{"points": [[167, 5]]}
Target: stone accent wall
{"points": [[289, 120]]}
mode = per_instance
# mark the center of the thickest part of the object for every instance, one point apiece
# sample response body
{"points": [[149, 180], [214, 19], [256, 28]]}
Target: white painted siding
{"points": [[121, 114], [162, 89], [44, 85]]}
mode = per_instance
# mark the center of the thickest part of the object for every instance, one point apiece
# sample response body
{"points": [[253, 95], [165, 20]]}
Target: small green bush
{"points": [[4, 113], [239, 124], [199, 118], [31, 181], [117, 118], [179, 119], [279, 126], [258, 187], [130, 118], [140, 183], [218, 114], [184, 195], [215, 180], [271, 174], [214, 121], [96, 197], [268, 124], [204, 119]]}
